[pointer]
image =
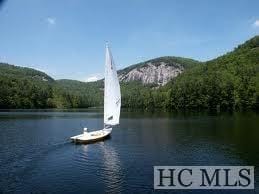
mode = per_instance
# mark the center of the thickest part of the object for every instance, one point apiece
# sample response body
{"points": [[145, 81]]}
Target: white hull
{"points": [[88, 137]]}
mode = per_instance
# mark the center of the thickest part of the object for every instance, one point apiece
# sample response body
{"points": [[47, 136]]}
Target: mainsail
{"points": [[112, 94]]}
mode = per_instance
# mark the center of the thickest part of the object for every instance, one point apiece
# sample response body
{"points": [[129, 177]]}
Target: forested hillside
{"points": [[28, 88], [24, 87], [229, 82], [12, 71], [81, 94]]}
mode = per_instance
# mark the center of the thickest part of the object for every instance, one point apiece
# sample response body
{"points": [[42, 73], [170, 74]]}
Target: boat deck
{"points": [[92, 136]]}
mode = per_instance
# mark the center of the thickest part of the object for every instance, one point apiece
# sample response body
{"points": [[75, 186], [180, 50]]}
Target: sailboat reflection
{"points": [[112, 169]]}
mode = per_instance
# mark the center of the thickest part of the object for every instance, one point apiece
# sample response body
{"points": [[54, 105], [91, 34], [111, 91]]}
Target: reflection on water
{"points": [[36, 154], [112, 173]]}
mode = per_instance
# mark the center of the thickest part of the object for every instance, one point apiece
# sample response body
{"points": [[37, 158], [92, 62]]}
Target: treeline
{"points": [[29, 88], [29, 94], [24, 93], [76, 94], [230, 82]]}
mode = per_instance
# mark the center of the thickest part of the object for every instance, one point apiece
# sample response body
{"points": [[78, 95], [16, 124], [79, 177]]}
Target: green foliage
{"points": [[229, 82], [81, 94], [28, 88], [22, 72], [24, 93], [135, 95]]}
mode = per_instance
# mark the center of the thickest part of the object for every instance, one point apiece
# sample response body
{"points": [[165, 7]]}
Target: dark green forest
{"points": [[229, 82]]}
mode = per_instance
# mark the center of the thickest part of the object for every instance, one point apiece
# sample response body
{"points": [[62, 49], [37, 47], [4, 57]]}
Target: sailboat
{"points": [[112, 104]]}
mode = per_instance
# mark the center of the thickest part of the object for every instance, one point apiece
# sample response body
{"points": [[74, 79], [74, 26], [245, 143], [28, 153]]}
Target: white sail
{"points": [[112, 94]]}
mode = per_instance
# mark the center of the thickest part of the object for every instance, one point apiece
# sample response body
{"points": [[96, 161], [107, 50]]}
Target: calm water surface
{"points": [[37, 156]]}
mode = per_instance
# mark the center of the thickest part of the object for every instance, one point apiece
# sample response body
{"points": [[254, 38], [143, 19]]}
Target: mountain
{"points": [[23, 72], [158, 71], [229, 82], [23, 87]]}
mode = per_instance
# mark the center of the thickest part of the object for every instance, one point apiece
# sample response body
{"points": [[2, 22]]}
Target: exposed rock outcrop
{"points": [[152, 73]]}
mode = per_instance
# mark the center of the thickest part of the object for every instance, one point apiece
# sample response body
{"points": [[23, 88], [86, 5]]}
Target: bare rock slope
{"points": [[157, 71]]}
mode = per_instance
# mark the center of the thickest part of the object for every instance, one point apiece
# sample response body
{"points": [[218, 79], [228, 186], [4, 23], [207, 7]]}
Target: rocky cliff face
{"points": [[157, 71]]}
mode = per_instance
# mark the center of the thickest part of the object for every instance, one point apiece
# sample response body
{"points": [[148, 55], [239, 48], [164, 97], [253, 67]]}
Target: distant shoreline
{"points": [[154, 110]]}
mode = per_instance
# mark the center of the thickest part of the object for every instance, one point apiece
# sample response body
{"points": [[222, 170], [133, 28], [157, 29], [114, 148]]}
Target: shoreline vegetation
{"points": [[229, 82], [155, 111]]}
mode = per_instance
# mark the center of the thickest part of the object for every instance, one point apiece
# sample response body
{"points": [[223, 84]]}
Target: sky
{"points": [[66, 38]]}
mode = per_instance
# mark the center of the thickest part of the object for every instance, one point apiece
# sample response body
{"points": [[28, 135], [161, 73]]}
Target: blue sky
{"points": [[66, 38]]}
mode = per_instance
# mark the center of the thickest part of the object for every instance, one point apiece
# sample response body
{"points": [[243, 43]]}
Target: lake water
{"points": [[37, 156]]}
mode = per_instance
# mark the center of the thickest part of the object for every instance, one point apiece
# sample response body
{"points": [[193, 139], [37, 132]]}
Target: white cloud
{"points": [[256, 23], [93, 77], [51, 20]]}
